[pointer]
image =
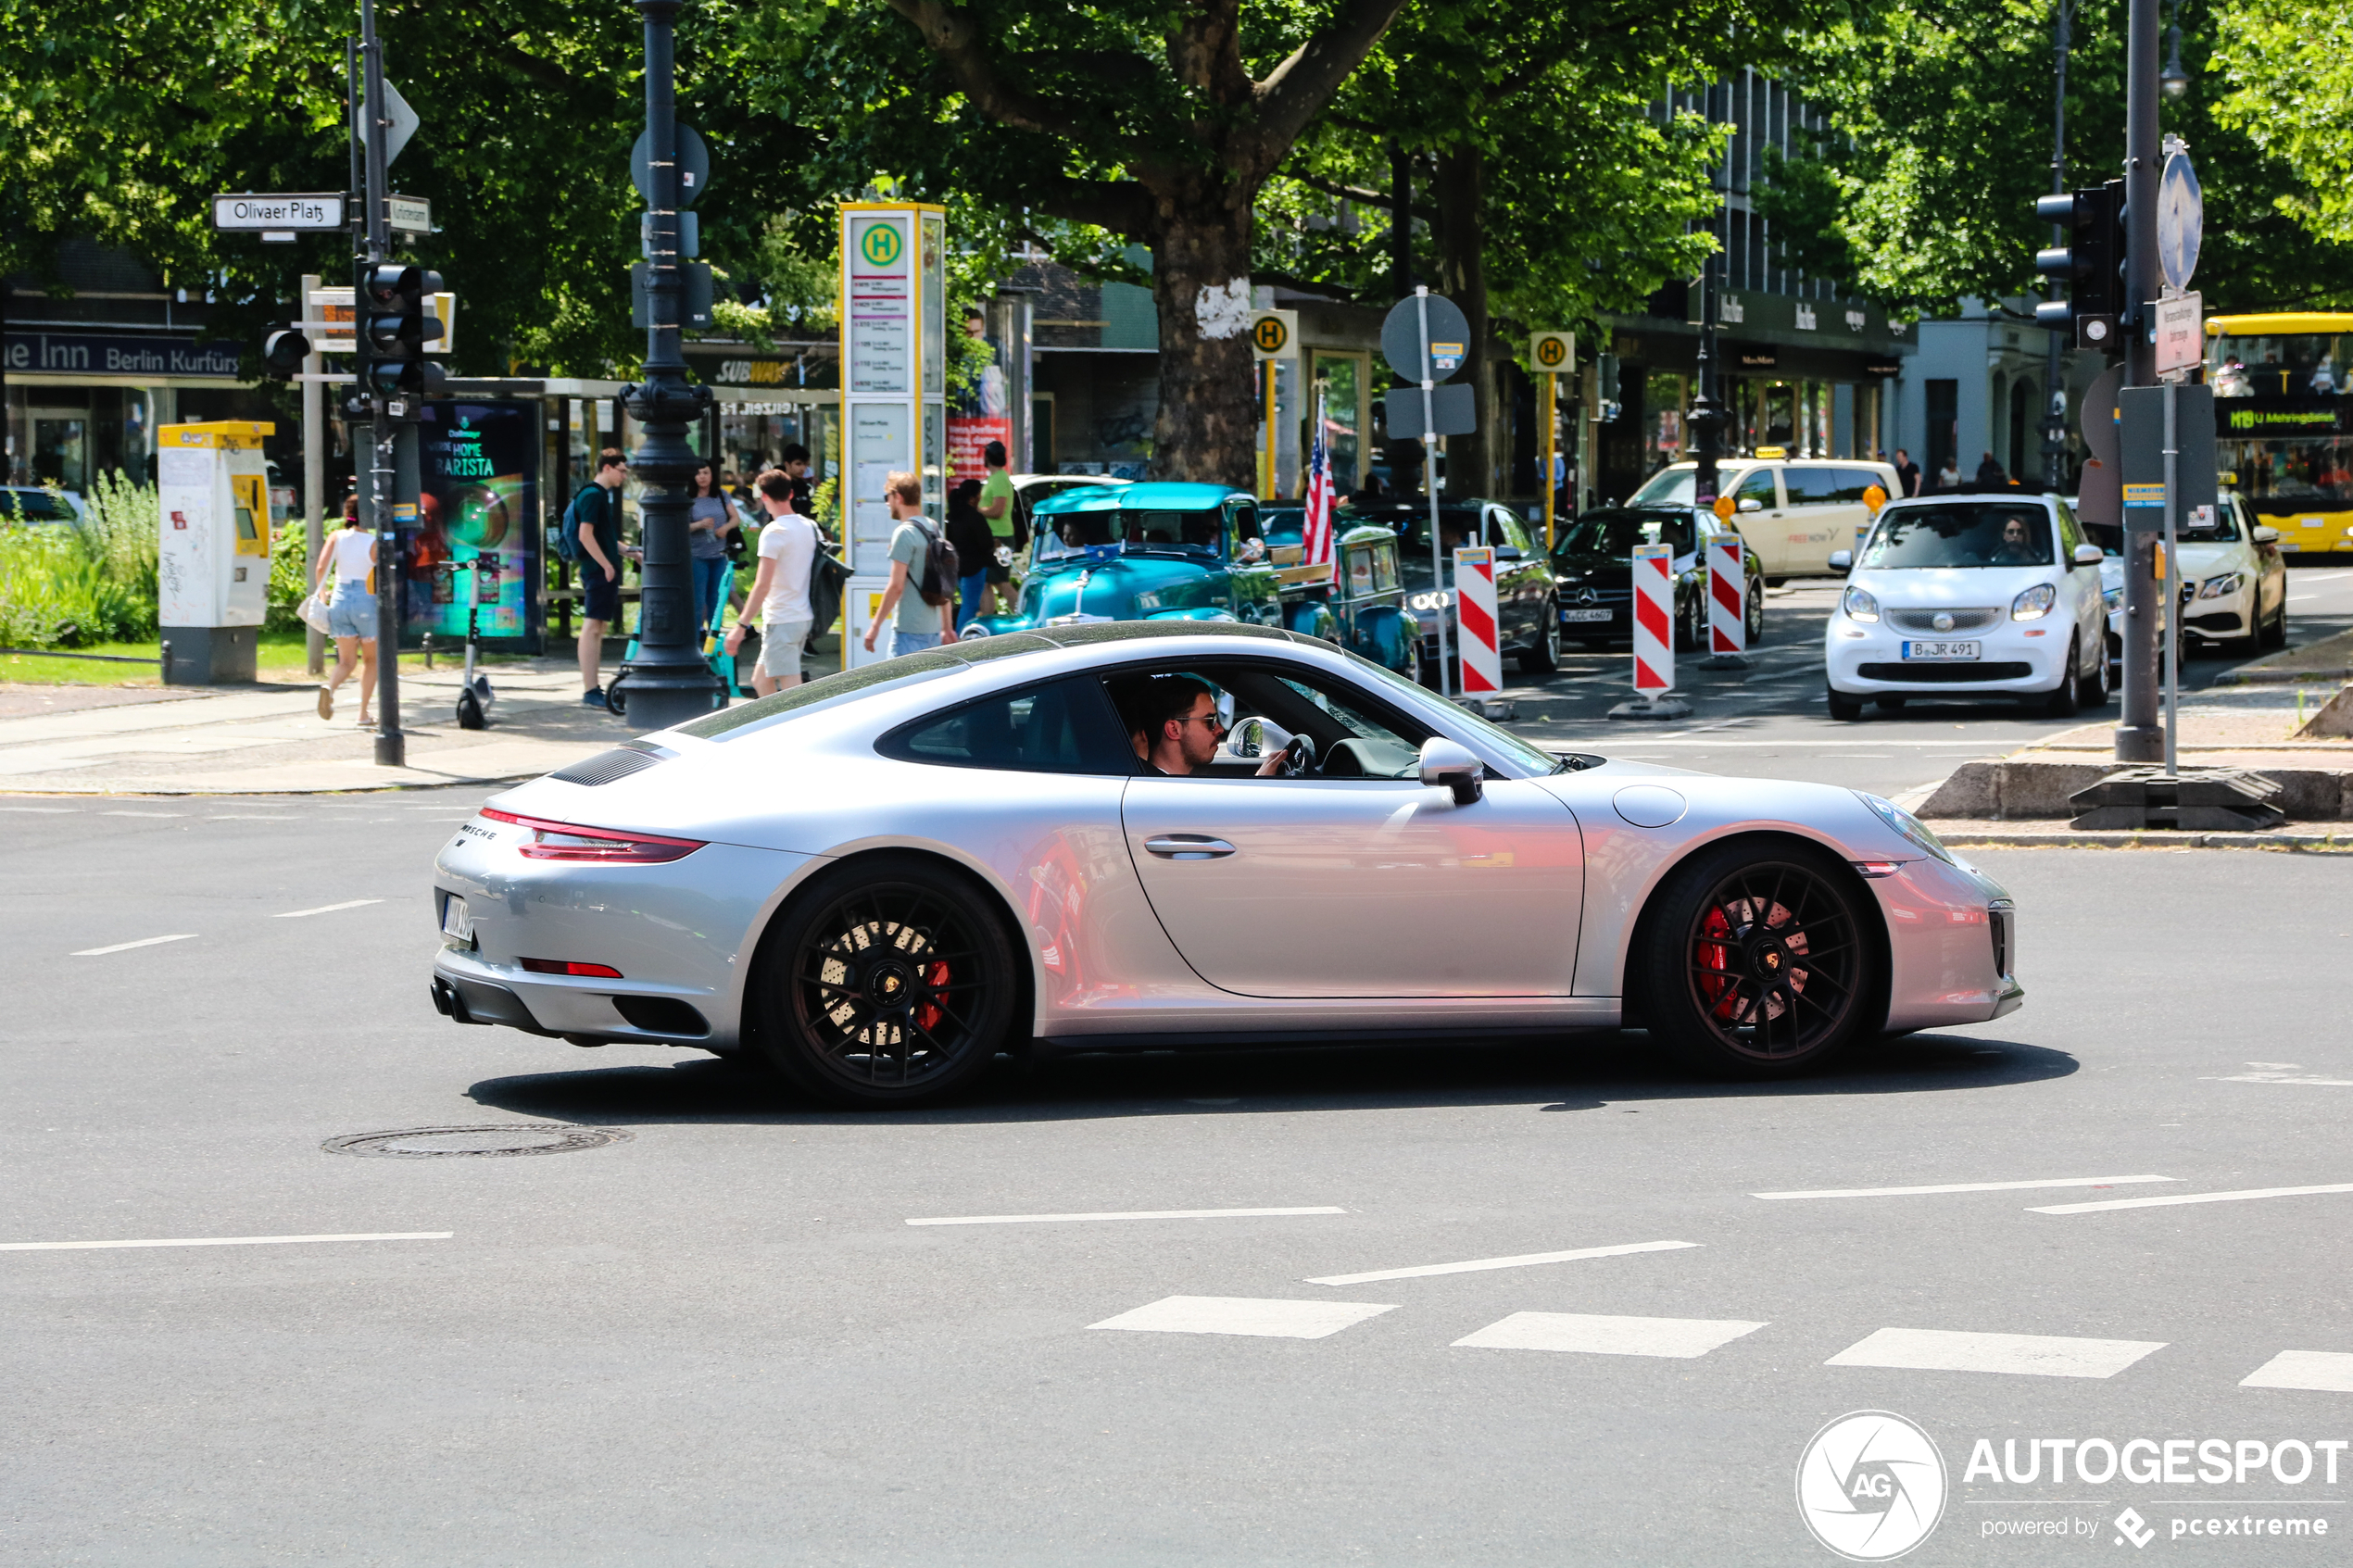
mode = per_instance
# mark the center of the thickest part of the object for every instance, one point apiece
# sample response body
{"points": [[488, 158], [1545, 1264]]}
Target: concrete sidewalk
{"points": [[270, 739], [2315, 777]]}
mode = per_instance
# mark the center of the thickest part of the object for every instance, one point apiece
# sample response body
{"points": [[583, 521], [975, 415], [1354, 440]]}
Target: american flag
{"points": [[1315, 542]]}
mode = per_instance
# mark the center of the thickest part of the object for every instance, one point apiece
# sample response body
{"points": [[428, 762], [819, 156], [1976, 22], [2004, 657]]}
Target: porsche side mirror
{"points": [[1450, 764], [1841, 561], [2087, 555]]}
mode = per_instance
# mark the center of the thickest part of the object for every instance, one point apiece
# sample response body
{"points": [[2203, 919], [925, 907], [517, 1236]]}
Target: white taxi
{"points": [[1791, 511], [1970, 595]]}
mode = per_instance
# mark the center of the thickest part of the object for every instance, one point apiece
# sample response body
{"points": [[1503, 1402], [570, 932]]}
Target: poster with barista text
{"points": [[477, 528]]}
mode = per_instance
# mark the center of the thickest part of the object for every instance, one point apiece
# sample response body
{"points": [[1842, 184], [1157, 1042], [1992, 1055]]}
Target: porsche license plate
{"points": [[1944, 651], [456, 925], [1584, 615]]}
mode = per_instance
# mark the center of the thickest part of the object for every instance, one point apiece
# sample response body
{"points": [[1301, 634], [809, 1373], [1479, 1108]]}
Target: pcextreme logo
{"points": [[1870, 1486]]}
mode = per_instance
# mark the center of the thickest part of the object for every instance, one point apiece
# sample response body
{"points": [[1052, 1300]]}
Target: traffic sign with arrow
{"points": [[401, 121]]}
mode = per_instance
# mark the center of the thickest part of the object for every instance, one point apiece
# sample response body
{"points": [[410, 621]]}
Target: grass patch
{"points": [[279, 659]]}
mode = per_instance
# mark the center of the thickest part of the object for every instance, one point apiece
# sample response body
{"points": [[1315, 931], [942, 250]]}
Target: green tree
{"points": [[119, 122], [1940, 116], [2288, 65], [1091, 123]]}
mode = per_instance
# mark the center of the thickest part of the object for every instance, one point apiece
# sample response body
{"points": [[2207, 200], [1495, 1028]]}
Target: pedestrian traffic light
{"points": [[396, 327], [2091, 263], [283, 353]]}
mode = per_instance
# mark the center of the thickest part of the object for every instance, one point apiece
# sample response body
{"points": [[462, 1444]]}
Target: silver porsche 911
{"points": [[877, 882]]}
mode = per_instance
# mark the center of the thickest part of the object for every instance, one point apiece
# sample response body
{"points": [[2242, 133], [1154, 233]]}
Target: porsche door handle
{"points": [[1188, 847]]}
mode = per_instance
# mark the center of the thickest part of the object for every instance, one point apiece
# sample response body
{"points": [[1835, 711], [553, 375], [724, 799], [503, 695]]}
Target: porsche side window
{"points": [[1061, 727]]}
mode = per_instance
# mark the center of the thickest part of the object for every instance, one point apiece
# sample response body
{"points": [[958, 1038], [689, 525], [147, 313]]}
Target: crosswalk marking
{"points": [[2326, 1371], [2037, 1355], [1243, 1315], [1597, 1335]]}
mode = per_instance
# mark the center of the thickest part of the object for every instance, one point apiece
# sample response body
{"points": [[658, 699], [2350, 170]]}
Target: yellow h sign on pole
{"points": [[1274, 337], [1553, 355]]}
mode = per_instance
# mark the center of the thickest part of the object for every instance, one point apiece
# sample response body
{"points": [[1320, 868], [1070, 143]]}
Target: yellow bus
{"points": [[2284, 418]]}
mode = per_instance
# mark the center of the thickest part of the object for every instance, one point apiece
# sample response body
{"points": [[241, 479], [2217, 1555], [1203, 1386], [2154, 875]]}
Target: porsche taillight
{"points": [[571, 841]]}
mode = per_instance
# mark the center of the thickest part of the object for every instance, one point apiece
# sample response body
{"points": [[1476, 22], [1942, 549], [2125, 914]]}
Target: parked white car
{"points": [[1975, 595], [1792, 512]]}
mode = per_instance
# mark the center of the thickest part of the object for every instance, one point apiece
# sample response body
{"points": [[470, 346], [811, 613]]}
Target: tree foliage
{"points": [[1941, 114], [2289, 67]]}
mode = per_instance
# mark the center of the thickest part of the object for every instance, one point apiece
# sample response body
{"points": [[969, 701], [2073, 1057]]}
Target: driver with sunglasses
{"points": [[1173, 725]]}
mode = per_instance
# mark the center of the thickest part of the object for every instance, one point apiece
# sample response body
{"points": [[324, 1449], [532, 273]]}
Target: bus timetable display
{"points": [[480, 503]]}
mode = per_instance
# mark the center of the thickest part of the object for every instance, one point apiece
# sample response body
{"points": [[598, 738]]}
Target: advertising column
{"points": [[893, 391]]}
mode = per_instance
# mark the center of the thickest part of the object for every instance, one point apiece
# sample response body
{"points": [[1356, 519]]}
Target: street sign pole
{"points": [[2138, 737], [2172, 575], [1547, 417], [382, 471], [1430, 477], [314, 470], [669, 681]]}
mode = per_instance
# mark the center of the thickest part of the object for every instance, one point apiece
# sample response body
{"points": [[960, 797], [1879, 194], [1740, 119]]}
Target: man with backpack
{"points": [[922, 560], [591, 537]]}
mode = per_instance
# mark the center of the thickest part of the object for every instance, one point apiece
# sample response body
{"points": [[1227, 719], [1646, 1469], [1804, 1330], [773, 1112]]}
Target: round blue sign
{"points": [[2181, 220]]}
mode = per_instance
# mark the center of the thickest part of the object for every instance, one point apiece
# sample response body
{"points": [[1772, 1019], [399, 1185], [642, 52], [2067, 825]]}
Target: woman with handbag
{"points": [[350, 553]]}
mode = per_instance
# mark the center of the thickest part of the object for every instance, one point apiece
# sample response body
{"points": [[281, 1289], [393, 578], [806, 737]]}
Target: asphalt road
{"points": [[1774, 721], [720, 1341]]}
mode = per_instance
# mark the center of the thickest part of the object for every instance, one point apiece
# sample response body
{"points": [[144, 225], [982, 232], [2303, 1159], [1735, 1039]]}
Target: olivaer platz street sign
{"points": [[1273, 334], [1553, 353], [317, 210]]}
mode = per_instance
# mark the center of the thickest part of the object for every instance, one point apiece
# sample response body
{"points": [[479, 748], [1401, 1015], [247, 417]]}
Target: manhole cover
{"points": [[435, 1143]]}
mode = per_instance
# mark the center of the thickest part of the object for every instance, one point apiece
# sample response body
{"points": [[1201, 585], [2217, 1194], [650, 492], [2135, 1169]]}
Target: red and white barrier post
{"points": [[1653, 637], [1726, 602], [1482, 657]]}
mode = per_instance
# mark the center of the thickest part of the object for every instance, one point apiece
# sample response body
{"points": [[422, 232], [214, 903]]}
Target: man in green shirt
{"points": [[997, 504]]}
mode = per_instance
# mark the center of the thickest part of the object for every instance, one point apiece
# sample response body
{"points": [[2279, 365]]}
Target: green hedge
{"points": [[71, 585]]}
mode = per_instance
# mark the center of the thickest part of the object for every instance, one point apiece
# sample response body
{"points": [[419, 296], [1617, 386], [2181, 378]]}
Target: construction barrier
{"points": [[1654, 619], [1482, 657], [1727, 594]]}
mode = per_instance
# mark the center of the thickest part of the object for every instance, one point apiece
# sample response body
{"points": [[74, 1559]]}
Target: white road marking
{"points": [[221, 1241], [2325, 1372], [41, 811], [126, 946], [326, 909], [1243, 1314], [1136, 1214], [2191, 1197], [2036, 1355], [1593, 1336], [2273, 1073], [1523, 1261], [1972, 1187], [142, 813], [275, 817], [1980, 741]]}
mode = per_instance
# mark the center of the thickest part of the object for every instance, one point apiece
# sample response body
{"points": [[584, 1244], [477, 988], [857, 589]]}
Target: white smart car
{"points": [[1971, 595]]}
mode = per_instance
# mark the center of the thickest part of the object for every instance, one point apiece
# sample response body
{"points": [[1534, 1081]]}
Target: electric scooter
{"points": [[474, 694]]}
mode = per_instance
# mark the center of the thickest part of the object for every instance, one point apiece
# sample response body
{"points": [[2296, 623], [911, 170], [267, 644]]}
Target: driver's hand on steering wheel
{"points": [[1272, 768]]}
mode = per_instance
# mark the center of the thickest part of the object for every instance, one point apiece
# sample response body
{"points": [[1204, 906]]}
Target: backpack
{"points": [[568, 528], [941, 568]]}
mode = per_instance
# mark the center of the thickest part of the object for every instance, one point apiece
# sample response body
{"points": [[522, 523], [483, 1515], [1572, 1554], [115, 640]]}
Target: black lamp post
{"points": [[2174, 81], [668, 683], [1707, 409]]}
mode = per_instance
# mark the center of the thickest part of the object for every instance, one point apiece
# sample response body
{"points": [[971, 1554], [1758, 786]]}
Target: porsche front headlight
{"points": [[1903, 822]]}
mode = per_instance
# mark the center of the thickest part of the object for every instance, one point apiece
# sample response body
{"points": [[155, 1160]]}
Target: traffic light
{"points": [[2091, 263], [395, 328], [283, 353]]}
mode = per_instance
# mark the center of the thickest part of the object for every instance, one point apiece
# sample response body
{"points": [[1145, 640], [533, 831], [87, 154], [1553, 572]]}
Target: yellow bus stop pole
{"points": [[1266, 487], [1551, 380]]}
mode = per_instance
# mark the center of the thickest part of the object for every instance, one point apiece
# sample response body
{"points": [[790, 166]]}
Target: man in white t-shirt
{"points": [[780, 589]]}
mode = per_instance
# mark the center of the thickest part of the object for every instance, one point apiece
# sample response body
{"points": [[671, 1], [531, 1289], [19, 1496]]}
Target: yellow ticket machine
{"points": [[212, 570]]}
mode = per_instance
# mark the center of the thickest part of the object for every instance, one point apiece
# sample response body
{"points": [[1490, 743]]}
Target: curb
{"points": [[2282, 677], [2069, 838]]}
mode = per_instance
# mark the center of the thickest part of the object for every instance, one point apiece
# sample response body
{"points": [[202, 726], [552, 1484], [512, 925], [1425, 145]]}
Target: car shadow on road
{"points": [[1588, 1073]]}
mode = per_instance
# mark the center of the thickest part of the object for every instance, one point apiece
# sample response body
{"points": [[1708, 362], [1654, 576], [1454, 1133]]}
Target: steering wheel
{"points": [[1299, 758]]}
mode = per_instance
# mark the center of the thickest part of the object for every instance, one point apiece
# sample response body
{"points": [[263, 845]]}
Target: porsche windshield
{"points": [[1614, 533], [1961, 534]]}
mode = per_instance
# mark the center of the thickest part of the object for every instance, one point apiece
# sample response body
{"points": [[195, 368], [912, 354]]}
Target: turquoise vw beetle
{"points": [[1153, 552]]}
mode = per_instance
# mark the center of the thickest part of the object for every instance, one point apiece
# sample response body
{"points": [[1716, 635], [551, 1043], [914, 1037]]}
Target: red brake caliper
{"points": [[935, 976], [1721, 990]]}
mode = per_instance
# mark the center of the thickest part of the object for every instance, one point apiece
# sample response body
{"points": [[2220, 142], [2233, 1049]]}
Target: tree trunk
{"points": [[1462, 271], [1206, 428]]}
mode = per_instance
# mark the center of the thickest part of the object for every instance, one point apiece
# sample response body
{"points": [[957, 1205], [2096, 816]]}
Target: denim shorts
{"points": [[352, 612]]}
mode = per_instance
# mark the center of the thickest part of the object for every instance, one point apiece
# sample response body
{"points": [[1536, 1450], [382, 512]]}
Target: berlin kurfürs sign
{"points": [[320, 210]]}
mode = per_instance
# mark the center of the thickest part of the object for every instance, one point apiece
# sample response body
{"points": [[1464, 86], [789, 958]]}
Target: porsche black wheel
{"points": [[1760, 961], [888, 982]]}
